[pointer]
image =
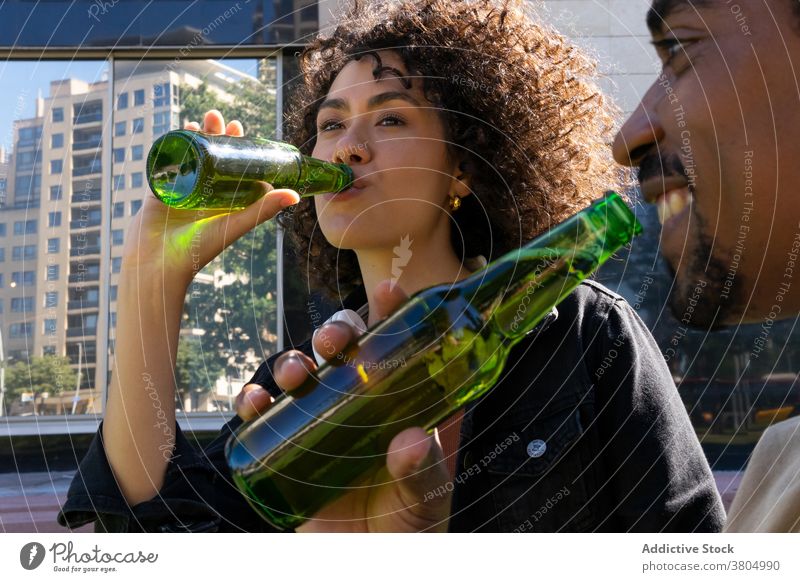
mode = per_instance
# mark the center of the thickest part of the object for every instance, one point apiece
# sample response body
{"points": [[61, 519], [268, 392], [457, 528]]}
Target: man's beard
{"points": [[700, 297]]}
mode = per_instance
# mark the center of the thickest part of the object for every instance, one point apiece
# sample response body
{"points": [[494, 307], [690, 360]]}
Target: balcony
{"points": [[87, 144], [86, 170], [26, 205], [82, 196], [84, 277], [77, 304], [91, 117], [84, 251], [77, 224], [81, 332]]}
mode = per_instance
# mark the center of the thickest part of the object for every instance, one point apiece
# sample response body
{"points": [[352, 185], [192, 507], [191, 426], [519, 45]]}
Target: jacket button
{"points": [[536, 448], [467, 459]]}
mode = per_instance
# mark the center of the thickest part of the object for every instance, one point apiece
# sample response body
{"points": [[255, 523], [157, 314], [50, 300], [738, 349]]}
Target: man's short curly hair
{"points": [[520, 107]]}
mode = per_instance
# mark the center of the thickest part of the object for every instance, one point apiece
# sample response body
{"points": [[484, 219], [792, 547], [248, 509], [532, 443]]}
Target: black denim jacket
{"points": [[584, 431]]}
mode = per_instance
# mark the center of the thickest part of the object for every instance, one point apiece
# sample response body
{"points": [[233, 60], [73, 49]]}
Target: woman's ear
{"points": [[462, 181]]}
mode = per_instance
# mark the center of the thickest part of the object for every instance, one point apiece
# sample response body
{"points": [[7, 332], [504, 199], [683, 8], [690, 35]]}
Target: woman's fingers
{"points": [[292, 369], [415, 459], [232, 226], [213, 122], [252, 401], [332, 338], [234, 128]]}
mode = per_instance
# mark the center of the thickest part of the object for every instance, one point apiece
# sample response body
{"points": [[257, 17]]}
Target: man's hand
{"points": [[414, 461]]}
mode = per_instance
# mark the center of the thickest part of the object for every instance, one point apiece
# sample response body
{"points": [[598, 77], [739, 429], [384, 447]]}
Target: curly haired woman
{"points": [[470, 128]]}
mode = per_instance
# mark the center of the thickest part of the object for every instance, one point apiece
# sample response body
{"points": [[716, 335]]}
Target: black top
{"points": [[584, 431]]}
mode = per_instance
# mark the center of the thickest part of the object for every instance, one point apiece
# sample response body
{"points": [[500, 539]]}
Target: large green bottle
{"points": [[195, 170], [443, 348]]}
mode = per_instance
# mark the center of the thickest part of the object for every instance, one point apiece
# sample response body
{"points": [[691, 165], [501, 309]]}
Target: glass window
{"points": [[53, 245], [137, 125], [161, 95], [52, 273], [27, 160], [25, 227], [119, 129], [119, 209], [137, 179], [122, 101], [51, 299], [29, 136], [23, 278], [53, 219], [2, 229], [21, 304], [137, 153], [119, 182], [112, 293], [20, 252], [116, 264], [27, 190], [57, 140], [145, 24], [116, 236], [56, 192], [58, 114], [135, 206], [2, 254], [119, 155], [20, 330], [138, 97], [86, 164], [56, 166], [161, 121], [49, 326], [88, 111]]}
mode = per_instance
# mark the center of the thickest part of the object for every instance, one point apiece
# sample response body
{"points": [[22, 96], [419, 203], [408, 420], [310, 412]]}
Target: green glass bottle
{"points": [[195, 170], [445, 347]]}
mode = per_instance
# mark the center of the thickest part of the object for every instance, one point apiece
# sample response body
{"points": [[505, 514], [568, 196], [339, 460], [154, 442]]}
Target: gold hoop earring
{"points": [[455, 203]]}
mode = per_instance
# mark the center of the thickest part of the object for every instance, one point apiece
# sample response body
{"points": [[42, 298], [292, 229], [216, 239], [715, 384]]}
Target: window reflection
{"points": [[229, 314], [52, 133]]}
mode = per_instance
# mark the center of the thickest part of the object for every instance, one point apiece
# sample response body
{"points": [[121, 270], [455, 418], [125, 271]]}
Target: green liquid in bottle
{"points": [[194, 170], [445, 347]]}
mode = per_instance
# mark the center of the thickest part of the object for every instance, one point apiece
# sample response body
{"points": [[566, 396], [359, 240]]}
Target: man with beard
{"points": [[715, 142]]}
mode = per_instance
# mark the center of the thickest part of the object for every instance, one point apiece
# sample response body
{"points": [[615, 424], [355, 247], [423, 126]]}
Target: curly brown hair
{"points": [[519, 104]]}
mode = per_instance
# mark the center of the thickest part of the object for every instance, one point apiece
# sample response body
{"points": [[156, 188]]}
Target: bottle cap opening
{"points": [[173, 167]]}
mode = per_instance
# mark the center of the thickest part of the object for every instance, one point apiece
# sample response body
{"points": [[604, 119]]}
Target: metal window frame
{"points": [[88, 423]]}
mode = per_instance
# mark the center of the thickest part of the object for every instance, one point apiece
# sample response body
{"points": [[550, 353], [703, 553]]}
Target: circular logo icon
{"points": [[31, 555], [536, 448]]}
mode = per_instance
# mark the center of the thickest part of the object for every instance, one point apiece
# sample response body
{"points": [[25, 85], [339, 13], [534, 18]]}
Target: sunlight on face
{"points": [[394, 140]]}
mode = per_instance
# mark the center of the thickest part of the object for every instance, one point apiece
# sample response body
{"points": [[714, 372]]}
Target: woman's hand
{"points": [[414, 459], [179, 243]]}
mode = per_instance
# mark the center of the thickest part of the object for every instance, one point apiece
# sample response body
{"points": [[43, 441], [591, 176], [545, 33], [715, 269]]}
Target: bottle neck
{"points": [[516, 291], [320, 176]]}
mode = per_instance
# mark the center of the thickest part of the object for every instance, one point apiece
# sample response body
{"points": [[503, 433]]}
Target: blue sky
{"points": [[21, 80]]}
